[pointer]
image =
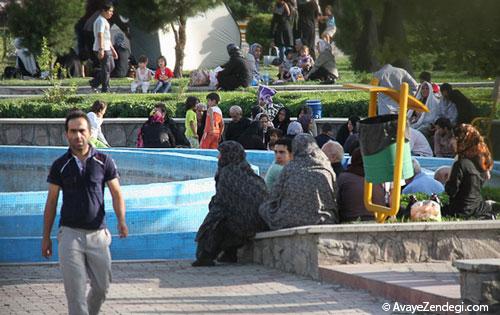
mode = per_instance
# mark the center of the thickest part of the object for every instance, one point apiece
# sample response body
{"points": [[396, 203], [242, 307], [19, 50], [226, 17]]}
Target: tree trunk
{"points": [[496, 92], [180, 44]]}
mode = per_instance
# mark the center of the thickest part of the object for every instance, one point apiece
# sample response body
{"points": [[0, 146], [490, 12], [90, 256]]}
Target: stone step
{"points": [[435, 283], [17, 91]]}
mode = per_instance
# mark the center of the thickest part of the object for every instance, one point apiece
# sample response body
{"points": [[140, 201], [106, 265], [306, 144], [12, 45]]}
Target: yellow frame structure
{"points": [[406, 102]]}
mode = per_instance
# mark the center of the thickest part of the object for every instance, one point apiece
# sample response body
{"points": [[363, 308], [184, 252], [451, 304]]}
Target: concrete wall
{"points": [[301, 250], [120, 132]]}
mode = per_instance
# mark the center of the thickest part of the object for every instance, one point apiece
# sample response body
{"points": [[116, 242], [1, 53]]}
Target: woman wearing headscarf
{"points": [[282, 120], [255, 137], [233, 216], [294, 128], [350, 186], [304, 193], [154, 133], [253, 59], [347, 129], [325, 67], [236, 71], [468, 174], [305, 118], [281, 27], [423, 121]]}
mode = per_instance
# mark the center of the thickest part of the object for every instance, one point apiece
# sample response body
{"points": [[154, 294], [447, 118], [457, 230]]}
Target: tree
{"points": [[152, 15], [365, 57], [54, 19]]}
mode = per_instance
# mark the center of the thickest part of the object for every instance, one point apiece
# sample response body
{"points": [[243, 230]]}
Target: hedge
{"points": [[335, 104]]}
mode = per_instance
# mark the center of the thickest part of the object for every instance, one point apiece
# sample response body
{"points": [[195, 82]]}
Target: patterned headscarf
{"points": [[294, 128], [471, 145], [304, 146], [324, 46], [231, 152], [253, 47]]}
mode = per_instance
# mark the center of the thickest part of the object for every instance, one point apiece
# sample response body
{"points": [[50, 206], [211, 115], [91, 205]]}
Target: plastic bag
{"points": [[427, 210]]}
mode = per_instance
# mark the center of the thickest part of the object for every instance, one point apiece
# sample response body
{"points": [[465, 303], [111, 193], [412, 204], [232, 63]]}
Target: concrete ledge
{"points": [[375, 227], [302, 250]]}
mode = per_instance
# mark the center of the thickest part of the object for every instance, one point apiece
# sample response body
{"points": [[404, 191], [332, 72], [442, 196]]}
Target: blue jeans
{"points": [[162, 87]]}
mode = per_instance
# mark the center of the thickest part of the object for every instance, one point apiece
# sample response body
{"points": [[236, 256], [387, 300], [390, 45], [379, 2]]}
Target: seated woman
{"points": [[443, 136], [96, 118], [253, 58], [423, 121], [350, 191], [347, 129], [233, 216], [154, 133], [282, 120], [304, 193], [468, 175], [255, 137], [325, 67], [236, 72]]}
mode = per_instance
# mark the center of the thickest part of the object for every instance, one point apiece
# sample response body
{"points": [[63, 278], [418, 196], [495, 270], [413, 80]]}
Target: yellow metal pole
{"points": [[368, 187], [400, 141]]}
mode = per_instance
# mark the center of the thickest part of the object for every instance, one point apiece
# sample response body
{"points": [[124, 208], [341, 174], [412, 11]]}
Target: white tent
{"points": [[207, 36]]}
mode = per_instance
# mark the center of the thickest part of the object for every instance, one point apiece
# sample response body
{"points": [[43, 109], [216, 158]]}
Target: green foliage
{"points": [[491, 193], [54, 19], [151, 15], [259, 30], [245, 9], [45, 58]]}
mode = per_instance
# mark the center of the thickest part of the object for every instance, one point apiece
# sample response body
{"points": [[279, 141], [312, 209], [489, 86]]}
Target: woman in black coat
{"points": [[236, 71]]}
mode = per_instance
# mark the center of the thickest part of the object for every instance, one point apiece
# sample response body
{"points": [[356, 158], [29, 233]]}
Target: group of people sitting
{"points": [[309, 185]]}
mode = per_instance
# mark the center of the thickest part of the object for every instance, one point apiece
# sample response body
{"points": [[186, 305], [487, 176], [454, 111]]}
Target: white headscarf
{"points": [[324, 46]]}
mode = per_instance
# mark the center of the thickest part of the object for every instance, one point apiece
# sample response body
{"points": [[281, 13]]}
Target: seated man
{"points": [[442, 174], [283, 155], [419, 144], [238, 124], [325, 135], [335, 153], [421, 183]]}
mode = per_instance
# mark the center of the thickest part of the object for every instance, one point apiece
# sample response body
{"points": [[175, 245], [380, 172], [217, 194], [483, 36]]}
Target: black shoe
{"points": [[203, 263], [228, 257]]}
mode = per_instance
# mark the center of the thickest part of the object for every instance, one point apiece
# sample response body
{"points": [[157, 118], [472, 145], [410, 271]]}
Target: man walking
{"points": [[83, 237], [103, 48]]}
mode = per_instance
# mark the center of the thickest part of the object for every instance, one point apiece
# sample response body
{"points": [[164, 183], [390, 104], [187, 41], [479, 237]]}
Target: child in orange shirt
{"points": [[214, 123]]}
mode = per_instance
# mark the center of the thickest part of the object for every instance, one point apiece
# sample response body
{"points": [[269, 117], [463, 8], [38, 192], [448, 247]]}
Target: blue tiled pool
{"points": [[166, 193]]}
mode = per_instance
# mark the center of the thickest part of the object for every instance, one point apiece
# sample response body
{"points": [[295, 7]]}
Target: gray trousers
{"points": [[85, 253], [107, 64]]}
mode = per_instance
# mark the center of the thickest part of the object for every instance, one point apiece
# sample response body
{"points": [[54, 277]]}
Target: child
{"points": [[191, 122], [443, 136], [163, 75], [331, 27], [214, 124], [306, 62], [142, 76], [296, 72], [274, 135], [286, 65]]}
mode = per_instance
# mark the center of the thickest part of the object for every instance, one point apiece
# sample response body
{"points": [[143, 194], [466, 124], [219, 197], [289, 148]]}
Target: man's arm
{"points": [[100, 39], [118, 206], [48, 219]]}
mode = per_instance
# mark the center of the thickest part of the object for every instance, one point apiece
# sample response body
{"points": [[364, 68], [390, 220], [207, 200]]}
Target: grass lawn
{"points": [[347, 75]]}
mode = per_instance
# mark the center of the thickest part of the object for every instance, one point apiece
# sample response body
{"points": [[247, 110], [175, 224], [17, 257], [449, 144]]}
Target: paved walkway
{"points": [[175, 287]]}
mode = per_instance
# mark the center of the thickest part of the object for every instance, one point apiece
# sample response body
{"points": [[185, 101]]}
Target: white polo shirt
{"points": [[101, 25]]}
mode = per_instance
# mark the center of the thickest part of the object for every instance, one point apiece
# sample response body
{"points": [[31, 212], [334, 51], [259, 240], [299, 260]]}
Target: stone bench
{"points": [[303, 250], [480, 282]]}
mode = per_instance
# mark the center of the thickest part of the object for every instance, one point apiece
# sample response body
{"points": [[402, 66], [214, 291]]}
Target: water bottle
{"points": [[265, 78]]}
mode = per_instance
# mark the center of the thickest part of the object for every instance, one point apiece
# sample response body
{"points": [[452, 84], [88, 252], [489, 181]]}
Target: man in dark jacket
{"points": [[238, 124], [236, 71], [466, 110]]}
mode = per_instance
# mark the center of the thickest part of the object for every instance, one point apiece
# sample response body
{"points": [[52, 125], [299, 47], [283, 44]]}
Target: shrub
{"points": [[259, 30]]}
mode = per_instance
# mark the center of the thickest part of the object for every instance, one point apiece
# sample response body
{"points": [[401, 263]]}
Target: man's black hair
{"points": [[214, 97], [286, 141], [327, 127], [446, 87], [107, 5], [74, 114], [444, 123]]}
